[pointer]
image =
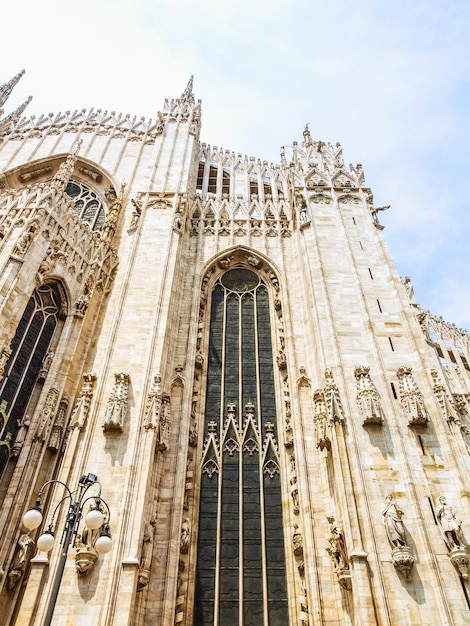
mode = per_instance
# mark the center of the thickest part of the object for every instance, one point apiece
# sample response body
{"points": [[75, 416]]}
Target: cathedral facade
{"points": [[219, 354]]}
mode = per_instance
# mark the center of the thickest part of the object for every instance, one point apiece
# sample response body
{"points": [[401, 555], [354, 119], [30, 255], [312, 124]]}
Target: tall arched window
{"points": [[240, 572], [28, 350]]}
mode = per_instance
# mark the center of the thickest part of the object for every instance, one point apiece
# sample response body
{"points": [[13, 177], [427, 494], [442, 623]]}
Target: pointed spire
{"points": [[7, 88], [10, 121], [187, 95], [66, 168]]}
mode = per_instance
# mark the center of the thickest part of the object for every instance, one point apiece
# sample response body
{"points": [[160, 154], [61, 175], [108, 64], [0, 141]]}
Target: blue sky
{"points": [[389, 80]]}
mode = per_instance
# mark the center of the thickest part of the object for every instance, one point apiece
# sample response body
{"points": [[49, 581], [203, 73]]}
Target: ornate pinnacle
{"points": [[10, 121], [65, 172], [187, 95], [7, 88]]}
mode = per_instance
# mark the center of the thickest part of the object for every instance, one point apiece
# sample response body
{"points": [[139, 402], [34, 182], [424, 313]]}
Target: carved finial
{"points": [[66, 168], [187, 95], [7, 88], [10, 121], [307, 136]]}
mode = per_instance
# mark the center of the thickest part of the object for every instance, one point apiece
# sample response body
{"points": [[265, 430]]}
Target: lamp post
{"points": [[95, 520]]}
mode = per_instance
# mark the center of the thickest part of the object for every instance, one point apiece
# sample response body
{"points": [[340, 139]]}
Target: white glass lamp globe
{"points": [[32, 519], [45, 542], [94, 519], [103, 544]]}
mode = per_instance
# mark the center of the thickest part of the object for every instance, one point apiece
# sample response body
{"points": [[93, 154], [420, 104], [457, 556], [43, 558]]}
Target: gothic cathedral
{"points": [[215, 357]]}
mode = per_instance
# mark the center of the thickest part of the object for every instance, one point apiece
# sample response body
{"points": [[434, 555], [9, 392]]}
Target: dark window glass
{"points": [[28, 350], [240, 572]]}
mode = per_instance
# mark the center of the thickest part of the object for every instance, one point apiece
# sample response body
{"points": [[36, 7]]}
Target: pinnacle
{"points": [[7, 88], [187, 95]]}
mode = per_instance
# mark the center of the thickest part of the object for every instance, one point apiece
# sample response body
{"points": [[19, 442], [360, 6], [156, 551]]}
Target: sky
{"points": [[389, 80]]}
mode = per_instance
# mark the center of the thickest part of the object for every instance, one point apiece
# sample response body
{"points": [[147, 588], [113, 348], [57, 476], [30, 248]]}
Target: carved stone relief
{"points": [[117, 405], [412, 400]]}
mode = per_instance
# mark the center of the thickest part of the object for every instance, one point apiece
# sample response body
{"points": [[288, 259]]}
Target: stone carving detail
{"points": [[179, 218], [411, 398], [110, 224], [29, 177], [402, 557], [47, 413], [193, 436], [333, 400], [117, 405], [451, 529], [337, 552], [297, 542], [83, 300], [85, 553], [82, 406], [146, 554], [22, 554], [298, 549], [46, 364], [368, 399], [136, 213], [185, 536], [23, 425], [26, 238], [58, 427], [440, 392], [294, 491], [157, 414], [302, 215], [320, 421], [4, 356]]}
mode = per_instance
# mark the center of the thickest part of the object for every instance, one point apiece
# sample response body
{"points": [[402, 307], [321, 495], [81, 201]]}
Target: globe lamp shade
{"points": [[45, 542], [103, 544], [32, 519], [94, 519]]}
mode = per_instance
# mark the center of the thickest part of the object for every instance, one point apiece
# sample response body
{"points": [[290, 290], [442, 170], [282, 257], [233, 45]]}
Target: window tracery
{"points": [[88, 205], [29, 349], [240, 572]]}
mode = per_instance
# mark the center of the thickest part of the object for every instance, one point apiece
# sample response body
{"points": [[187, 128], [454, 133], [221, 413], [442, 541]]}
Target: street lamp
{"points": [[95, 520]]}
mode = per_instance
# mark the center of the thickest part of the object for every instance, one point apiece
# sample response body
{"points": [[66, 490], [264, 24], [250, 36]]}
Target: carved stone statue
{"points": [[116, 407], [185, 532], [450, 524], [19, 562], [23, 425], [391, 517], [297, 542], [402, 557], [85, 554], [337, 548], [337, 551], [320, 421], [26, 238], [368, 399], [411, 398], [193, 436], [46, 364]]}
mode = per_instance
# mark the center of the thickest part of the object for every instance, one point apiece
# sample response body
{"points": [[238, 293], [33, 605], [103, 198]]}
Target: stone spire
{"points": [[11, 120], [65, 171], [7, 88], [187, 95]]}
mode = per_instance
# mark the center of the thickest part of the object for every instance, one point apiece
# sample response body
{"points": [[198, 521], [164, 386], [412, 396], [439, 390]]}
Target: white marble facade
{"points": [[372, 393]]}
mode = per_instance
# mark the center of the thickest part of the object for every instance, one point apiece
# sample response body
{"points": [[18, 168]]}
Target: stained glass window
{"points": [[28, 350], [88, 206], [240, 575]]}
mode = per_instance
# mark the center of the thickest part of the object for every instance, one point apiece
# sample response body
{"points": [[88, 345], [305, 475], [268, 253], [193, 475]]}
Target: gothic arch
{"points": [[29, 358], [89, 183], [237, 512], [240, 256]]}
